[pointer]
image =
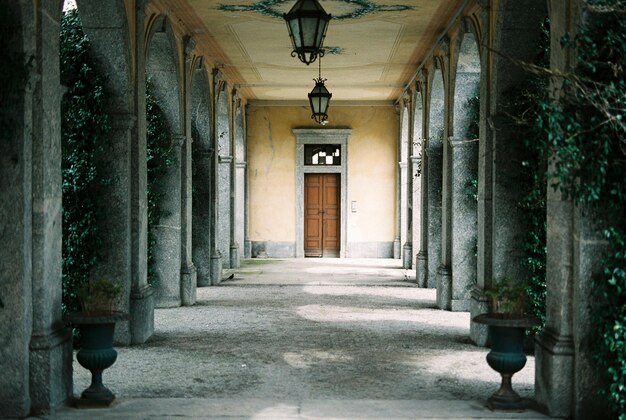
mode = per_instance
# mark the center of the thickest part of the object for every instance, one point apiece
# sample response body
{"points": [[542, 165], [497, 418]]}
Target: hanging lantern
{"points": [[319, 98], [307, 22]]}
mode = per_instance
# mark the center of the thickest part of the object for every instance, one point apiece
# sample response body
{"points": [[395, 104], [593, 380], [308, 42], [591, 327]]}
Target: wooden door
{"points": [[321, 215]]}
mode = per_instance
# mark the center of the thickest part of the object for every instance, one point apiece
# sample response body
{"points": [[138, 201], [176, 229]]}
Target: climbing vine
{"points": [[84, 127], [587, 134], [160, 156]]}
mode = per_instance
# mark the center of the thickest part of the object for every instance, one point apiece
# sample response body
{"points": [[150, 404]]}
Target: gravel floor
{"points": [[309, 329]]}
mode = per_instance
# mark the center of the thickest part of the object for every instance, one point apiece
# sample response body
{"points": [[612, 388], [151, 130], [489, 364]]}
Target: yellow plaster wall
{"points": [[371, 170]]}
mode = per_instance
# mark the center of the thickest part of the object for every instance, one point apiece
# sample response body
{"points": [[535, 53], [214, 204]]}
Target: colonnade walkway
{"points": [[303, 339]]}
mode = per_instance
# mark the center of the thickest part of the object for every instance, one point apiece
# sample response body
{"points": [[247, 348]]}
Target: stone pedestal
{"points": [[421, 269], [216, 268], [234, 256], [141, 314], [478, 305], [554, 371], [407, 256], [188, 285], [444, 288]]}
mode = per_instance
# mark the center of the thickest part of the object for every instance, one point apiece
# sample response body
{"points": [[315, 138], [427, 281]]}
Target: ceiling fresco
{"points": [[373, 47]]}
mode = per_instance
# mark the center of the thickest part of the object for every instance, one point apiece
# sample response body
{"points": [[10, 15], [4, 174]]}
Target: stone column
{"points": [[202, 204], [247, 247], [407, 248], [36, 347], [464, 155], [421, 260], [216, 199], [115, 261], [433, 167], [167, 248], [188, 274], [234, 247], [224, 212], [141, 295], [554, 363]]}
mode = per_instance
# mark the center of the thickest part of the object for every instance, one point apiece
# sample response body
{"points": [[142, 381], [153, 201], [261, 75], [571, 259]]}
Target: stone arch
{"points": [[202, 167], [432, 168], [462, 170], [163, 72], [240, 180], [224, 174]]}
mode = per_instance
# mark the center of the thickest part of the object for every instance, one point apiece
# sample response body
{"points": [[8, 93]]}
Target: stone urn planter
{"points": [[506, 357], [96, 323]]}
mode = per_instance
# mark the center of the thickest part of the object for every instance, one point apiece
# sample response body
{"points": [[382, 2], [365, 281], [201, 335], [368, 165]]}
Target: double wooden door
{"points": [[321, 215]]}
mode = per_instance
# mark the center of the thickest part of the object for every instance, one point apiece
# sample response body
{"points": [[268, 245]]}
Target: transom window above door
{"points": [[322, 154]]}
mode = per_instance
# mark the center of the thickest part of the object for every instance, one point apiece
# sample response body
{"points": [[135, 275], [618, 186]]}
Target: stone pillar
{"points": [[167, 248], [464, 157], [444, 271], [50, 356], [115, 257], [554, 363], [141, 295], [421, 259], [402, 169], [434, 181], [247, 245], [240, 204], [202, 204], [224, 211], [397, 251], [407, 248], [188, 274]]}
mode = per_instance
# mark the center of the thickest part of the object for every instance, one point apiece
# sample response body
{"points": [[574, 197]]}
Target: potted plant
{"points": [[99, 300], [506, 324], [506, 299]]}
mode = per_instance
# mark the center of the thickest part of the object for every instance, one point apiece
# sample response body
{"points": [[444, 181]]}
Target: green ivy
{"points": [[160, 156], [84, 126], [587, 132]]}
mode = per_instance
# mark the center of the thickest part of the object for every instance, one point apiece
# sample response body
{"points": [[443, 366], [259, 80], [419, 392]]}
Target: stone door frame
{"points": [[321, 136]]}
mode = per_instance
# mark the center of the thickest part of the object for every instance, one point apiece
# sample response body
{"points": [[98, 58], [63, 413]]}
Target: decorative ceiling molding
{"points": [[271, 8]]}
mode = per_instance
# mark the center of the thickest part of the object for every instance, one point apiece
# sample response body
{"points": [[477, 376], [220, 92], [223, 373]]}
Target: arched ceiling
{"points": [[373, 46]]}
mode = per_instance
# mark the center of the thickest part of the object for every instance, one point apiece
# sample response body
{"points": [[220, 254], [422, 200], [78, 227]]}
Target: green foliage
{"points": [[160, 156], [84, 126], [472, 108], [587, 132]]}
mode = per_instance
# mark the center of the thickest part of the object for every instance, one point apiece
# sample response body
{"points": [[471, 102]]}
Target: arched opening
{"points": [[202, 154], [164, 163]]}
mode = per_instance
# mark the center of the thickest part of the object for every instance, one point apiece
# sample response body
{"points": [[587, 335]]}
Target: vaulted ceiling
{"points": [[373, 46]]}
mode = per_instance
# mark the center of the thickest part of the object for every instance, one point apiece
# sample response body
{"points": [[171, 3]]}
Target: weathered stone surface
{"points": [[224, 212]]}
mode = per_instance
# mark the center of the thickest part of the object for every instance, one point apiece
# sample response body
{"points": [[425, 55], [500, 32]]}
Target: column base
{"points": [[188, 285], [247, 248], [421, 269], [50, 370], [554, 373], [444, 288], [407, 256], [397, 249], [141, 314], [235, 262], [216, 268], [478, 305]]}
